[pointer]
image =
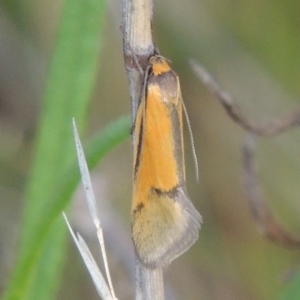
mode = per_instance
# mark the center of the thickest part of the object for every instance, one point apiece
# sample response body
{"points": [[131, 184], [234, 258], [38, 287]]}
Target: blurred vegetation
{"points": [[251, 47]]}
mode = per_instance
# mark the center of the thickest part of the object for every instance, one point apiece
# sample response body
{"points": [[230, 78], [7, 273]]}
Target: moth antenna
{"points": [[192, 141], [143, 92], [138, 65], [135, 59], [143, 98], [161, 57]]}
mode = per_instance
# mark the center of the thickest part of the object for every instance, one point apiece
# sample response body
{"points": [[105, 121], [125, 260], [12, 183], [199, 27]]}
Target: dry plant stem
{"points": [[272, 128], [138, 46], [261, 213], [148, 281]]}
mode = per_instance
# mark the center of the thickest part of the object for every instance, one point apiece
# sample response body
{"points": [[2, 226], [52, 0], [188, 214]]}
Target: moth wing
{"points": [[185, 231], [169, 236]]}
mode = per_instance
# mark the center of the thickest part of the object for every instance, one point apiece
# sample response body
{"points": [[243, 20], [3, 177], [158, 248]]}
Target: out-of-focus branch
{"points": [[263, 216], [272, 128]]}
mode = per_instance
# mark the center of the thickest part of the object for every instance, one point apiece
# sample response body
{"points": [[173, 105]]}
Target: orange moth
{"points": [[164, 221]]}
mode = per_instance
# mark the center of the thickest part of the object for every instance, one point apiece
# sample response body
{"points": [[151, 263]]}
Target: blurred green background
{"points": [[253, 49]]}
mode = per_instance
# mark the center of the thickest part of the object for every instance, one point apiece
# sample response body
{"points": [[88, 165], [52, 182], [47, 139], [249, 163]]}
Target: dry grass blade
{"points": [[99, 281], [103, 290], [90, 196]]}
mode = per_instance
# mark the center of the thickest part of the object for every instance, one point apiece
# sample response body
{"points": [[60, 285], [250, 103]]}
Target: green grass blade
{"points": [[68, 91], [107, 139], [292, 291]]}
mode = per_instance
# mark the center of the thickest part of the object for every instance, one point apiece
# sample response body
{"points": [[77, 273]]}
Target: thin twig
{"points": [[260, 211], [272, 128]]}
